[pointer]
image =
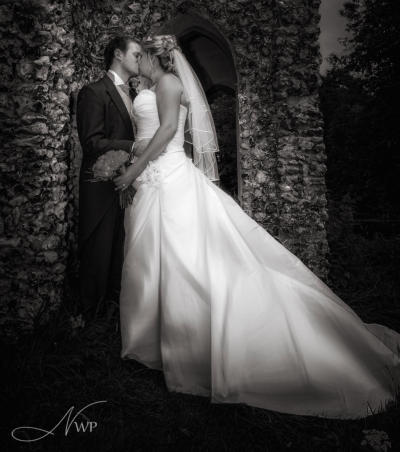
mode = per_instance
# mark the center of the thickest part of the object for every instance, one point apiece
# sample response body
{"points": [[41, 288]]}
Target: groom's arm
{"points": [[91, 125]]}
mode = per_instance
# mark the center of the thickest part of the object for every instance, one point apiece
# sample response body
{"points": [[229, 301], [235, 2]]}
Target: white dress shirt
{"points": [[117, 79]]}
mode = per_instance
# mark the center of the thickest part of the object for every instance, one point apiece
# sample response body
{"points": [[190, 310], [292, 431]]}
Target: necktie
{"points": [[125, 88]]}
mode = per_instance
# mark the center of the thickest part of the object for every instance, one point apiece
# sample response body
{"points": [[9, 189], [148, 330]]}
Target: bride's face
{"points": [[146, 65]]}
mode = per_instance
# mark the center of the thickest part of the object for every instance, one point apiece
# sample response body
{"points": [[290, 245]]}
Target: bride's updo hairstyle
{"points": [[162, 46]]}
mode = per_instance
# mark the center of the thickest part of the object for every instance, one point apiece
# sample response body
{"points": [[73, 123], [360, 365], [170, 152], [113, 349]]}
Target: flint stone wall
{"points": [[52, 48], [37, 42]]}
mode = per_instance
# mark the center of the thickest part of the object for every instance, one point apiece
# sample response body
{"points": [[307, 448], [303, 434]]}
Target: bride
{"points": [[213, 300]]}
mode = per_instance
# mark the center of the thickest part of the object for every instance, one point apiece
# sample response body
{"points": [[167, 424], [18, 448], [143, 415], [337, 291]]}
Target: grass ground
{"points": [[65, 365]]}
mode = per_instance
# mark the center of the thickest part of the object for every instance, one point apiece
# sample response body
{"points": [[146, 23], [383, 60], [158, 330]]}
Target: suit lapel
{"points": [[119, 103]]}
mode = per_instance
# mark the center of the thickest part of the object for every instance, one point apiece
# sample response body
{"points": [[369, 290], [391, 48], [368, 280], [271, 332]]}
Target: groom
{"points": [[104, 123]]}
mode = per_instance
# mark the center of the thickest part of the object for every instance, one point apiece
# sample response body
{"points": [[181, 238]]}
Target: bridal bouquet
{"points": [[107, 167]]}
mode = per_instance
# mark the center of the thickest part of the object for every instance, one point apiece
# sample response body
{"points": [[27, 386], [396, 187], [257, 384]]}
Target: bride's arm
{"points": [[168, 96]]}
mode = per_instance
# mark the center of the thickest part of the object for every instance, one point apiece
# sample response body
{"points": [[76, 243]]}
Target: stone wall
{"points": [[37, 74], [300, 151], [51, 48]]}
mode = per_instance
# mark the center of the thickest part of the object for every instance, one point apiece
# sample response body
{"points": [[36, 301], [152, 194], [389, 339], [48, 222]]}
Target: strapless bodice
{"points": [[145, 113]]}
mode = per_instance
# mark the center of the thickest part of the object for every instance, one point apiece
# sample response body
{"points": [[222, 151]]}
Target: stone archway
{"points": [[210, 55]]}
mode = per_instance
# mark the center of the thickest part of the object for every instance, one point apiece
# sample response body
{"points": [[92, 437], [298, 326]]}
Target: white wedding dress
{"points": [[225, 311]]}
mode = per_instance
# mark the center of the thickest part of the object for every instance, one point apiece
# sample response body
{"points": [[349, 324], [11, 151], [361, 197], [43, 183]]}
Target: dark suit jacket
{"points": [[103, 124]]}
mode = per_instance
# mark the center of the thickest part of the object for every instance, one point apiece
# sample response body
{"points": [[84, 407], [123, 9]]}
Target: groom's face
{"points": [[130, 59]]}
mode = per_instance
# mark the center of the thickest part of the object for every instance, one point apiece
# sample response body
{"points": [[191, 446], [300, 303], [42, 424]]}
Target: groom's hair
{"points": [[118, 42]]}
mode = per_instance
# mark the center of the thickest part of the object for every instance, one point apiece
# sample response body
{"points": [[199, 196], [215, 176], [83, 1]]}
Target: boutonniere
{"points": [[133, 87]]}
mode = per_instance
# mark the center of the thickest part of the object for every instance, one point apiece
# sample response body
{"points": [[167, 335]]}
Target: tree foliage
{"points": [[360, 98]]}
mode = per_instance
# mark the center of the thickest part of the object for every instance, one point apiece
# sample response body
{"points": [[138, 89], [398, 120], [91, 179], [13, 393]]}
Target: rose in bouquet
{"points": [[107, 166]]}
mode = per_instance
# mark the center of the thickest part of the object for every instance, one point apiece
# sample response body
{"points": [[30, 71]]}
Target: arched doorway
{"points": [[210, 56]]}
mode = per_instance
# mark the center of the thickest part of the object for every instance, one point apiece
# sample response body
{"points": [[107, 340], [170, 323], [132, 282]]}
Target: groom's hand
{"points": [[123, 181]]}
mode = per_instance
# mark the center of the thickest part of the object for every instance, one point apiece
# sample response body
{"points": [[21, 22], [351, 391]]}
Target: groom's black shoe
{"points": [[88, 315], [112, 314], [91, 311]]}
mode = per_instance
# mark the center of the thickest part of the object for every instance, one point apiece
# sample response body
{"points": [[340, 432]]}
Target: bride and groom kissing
{"points": [[205, 294]]}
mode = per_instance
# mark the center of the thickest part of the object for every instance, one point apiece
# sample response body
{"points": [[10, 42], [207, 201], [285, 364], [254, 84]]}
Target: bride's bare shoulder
{"points": [[170, 82]]}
